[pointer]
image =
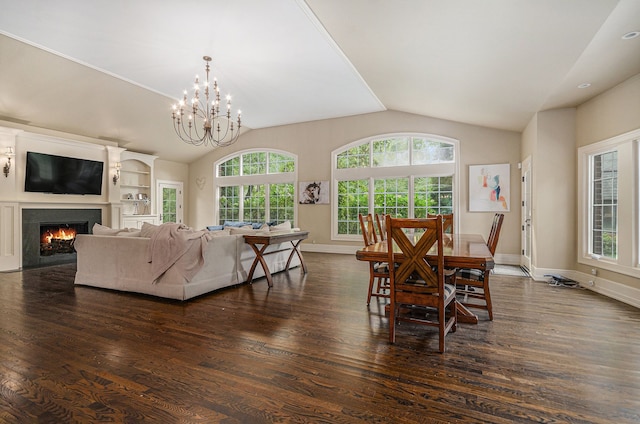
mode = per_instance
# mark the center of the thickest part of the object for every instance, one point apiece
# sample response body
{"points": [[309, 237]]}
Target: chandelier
{"points": [[204, 124]]}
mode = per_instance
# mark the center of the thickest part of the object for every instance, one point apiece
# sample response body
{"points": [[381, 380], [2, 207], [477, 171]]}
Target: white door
{"points": [[170, 201], [525, 258]]}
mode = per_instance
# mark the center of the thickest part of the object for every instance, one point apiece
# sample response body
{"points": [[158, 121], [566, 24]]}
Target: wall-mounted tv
{"points": [[62, 175]]}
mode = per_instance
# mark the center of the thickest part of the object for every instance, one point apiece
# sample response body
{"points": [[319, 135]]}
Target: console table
{"points": [[260, 242]]}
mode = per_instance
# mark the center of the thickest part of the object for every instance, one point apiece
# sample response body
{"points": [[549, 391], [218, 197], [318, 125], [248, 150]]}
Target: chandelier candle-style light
{"points": [[204, 123]]}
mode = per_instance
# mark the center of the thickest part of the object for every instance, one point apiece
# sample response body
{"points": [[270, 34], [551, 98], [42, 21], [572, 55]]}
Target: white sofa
{"points": [[121, 262]]}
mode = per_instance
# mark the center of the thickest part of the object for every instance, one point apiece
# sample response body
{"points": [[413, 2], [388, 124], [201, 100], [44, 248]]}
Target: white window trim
{"points": [[628, 261], [234, 180], [436, 170]]}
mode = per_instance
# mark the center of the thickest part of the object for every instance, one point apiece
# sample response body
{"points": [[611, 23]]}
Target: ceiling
{"points": [[111, 69]]}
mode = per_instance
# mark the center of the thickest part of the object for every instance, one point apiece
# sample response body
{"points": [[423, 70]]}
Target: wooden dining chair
{"points": [[417, 281], [474, 283], [378, 271], [382, 226]]}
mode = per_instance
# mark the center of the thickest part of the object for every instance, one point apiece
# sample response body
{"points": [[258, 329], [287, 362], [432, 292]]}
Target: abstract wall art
{"points": [[489, 188]]}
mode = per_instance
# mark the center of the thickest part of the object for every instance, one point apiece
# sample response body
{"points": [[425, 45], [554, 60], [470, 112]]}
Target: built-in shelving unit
{"points": [[136, 189]]}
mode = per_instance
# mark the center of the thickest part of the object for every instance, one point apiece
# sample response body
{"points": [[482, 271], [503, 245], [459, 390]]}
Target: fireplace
{"points": [[58, 238], [48, 235]]}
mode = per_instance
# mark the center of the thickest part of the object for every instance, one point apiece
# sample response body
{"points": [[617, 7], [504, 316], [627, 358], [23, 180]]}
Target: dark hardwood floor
{"points": [[309, 350]]}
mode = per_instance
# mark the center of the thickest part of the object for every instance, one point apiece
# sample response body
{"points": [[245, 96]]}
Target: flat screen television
{"points": [[62, 175]]}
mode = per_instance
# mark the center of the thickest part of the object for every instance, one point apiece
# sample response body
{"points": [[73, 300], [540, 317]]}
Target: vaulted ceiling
{"points": [[111, 69]]}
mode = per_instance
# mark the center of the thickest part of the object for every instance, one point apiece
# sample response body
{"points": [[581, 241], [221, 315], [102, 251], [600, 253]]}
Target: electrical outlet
{"points": [[594, 271], [591, 283]]}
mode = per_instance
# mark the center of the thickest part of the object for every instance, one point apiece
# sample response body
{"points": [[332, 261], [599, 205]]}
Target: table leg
{"points": [[295, 250], [260, 258]]}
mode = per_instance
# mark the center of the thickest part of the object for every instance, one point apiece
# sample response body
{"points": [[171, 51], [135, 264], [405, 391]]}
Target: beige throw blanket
{"points": [[171, 243]]}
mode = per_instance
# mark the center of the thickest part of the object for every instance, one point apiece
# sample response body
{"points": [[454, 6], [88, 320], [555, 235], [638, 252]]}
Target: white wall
{"points": [[554, 183], [13, 198], [314, 141], [615, 112]]}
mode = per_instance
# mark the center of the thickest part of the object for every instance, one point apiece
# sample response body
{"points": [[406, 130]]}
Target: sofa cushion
{"points": [[215, 227], [220, 233], [242, 230], [130, 232]]}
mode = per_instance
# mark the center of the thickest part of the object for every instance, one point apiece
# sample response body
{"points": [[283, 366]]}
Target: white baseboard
{"points": [[505, 259], [329, 248], [612, 289], [609, 288]]}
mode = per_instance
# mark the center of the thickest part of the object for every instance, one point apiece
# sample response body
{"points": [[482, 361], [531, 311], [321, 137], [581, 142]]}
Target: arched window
{"points": [[256, 186], [405, 175]]}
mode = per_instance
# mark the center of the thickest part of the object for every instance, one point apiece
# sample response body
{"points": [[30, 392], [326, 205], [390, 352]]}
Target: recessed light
{"points": [[630, 35], [585, 85]]}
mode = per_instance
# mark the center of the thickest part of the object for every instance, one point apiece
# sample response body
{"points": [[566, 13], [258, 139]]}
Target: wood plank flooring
{"points": [[309, 351]]}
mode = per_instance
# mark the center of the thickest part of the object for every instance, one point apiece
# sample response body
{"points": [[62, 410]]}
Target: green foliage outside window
{"points": [[356, 157], [391, 152], [605, 205], [431, 194], [169, 212], [230, 167], [281, 202], [280, 164], [254, 163], [353, 199], [255, 205], [391, 196], [229, 204]]}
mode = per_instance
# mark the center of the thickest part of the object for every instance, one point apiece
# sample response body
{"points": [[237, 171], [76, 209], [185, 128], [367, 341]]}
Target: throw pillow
{"points": [[102, 230], [147, 229], [286, 225], [236, 223]]}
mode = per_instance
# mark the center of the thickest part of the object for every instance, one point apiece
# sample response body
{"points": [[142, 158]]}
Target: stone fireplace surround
{"points": [[31, 222]]}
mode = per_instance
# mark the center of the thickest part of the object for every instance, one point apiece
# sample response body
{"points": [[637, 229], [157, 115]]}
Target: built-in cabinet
{"points": [[137, 189]]}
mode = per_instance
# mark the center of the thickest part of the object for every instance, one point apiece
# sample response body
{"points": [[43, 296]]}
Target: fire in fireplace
{"points": [[59, 238]]}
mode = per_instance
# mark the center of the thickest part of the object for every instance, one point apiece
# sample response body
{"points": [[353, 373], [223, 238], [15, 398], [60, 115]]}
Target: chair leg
{"points": [[454, 314], [442, 323], [379, 287], [371, 281], [392, 322], [487, 296]]}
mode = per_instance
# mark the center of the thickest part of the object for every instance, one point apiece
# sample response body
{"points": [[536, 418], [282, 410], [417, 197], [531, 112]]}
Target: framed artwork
{"points": [[313, 192], [489, 188]]}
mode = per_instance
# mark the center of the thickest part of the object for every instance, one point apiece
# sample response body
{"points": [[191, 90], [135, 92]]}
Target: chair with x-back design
{"points": [[417, 276]]}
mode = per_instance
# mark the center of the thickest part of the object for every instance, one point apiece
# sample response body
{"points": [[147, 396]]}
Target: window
{"points": [[406, 175], [604, 204], [609, 183], [256, 186]]}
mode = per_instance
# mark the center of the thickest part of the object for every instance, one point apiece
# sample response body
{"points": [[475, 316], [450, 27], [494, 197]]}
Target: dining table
{"points": [[460, 251]]}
